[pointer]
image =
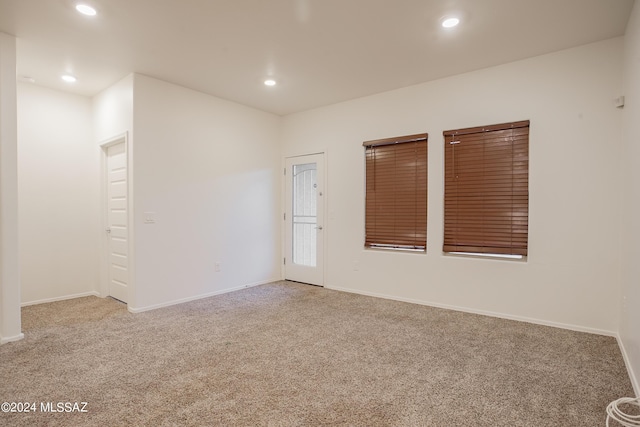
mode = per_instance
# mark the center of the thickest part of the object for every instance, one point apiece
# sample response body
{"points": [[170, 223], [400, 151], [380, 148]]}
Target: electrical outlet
{"points": [[217, 267], [356, 266]]}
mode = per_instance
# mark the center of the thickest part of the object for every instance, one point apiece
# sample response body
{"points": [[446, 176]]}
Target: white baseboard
{"points": [[4, 340], [62, 298], [568, 326], [634, 379], [197, 297]]}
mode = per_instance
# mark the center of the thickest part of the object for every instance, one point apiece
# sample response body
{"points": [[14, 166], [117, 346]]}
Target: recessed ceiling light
{"points": [[450, 22], [270, 82], [86, 10], [68, 78]]}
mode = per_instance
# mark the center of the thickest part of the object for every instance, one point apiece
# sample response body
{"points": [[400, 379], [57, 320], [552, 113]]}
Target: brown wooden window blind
{"points": [[486, 194], [396, 193]]}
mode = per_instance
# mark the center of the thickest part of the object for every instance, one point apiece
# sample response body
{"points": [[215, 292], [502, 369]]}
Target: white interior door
{"points": [[117, 227], [304, 219]]}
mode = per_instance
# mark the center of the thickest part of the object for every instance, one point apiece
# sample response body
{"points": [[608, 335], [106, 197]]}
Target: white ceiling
{"points": [[320, 51]]}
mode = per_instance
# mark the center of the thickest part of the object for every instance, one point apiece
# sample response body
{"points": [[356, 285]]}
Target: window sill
{"points": [[499, 257], [394, 250]]}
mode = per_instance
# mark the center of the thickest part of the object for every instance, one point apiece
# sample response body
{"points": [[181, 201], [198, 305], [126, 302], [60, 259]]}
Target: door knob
{"points": [[108, 230]]}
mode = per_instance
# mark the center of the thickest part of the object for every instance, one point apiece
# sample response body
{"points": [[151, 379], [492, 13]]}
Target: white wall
{"points": [[113, 110], [630, 318], [570, 277], [10, 325], [58, 175], [209, 169]]}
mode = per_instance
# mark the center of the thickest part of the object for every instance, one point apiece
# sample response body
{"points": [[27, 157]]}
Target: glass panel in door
{"points": [[305, 219]]}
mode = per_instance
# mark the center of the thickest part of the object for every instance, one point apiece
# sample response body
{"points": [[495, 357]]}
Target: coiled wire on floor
{"points": [[615, 413]]}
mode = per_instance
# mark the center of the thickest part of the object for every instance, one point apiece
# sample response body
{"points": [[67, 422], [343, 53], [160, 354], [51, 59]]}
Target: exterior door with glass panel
{"points": [[304, 217]]}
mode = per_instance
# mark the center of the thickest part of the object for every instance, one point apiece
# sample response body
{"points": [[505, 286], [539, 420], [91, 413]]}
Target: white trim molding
{"points": [[11, 339], [62, 298], [635, 381], [201, 296], [534, 321]]}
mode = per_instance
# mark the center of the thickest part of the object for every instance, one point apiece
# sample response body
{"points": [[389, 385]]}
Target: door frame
{"points": [[283, 233], [104, 241]]}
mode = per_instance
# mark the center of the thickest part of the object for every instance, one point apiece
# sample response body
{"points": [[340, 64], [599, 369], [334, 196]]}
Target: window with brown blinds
{"points": [[486, 194], [396, 193]]}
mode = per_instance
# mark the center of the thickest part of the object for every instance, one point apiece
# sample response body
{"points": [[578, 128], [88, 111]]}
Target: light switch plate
{"points": [[149, 217]]}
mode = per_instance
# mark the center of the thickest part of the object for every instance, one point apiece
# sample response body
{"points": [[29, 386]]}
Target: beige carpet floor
{"points": [[288, 354]]}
